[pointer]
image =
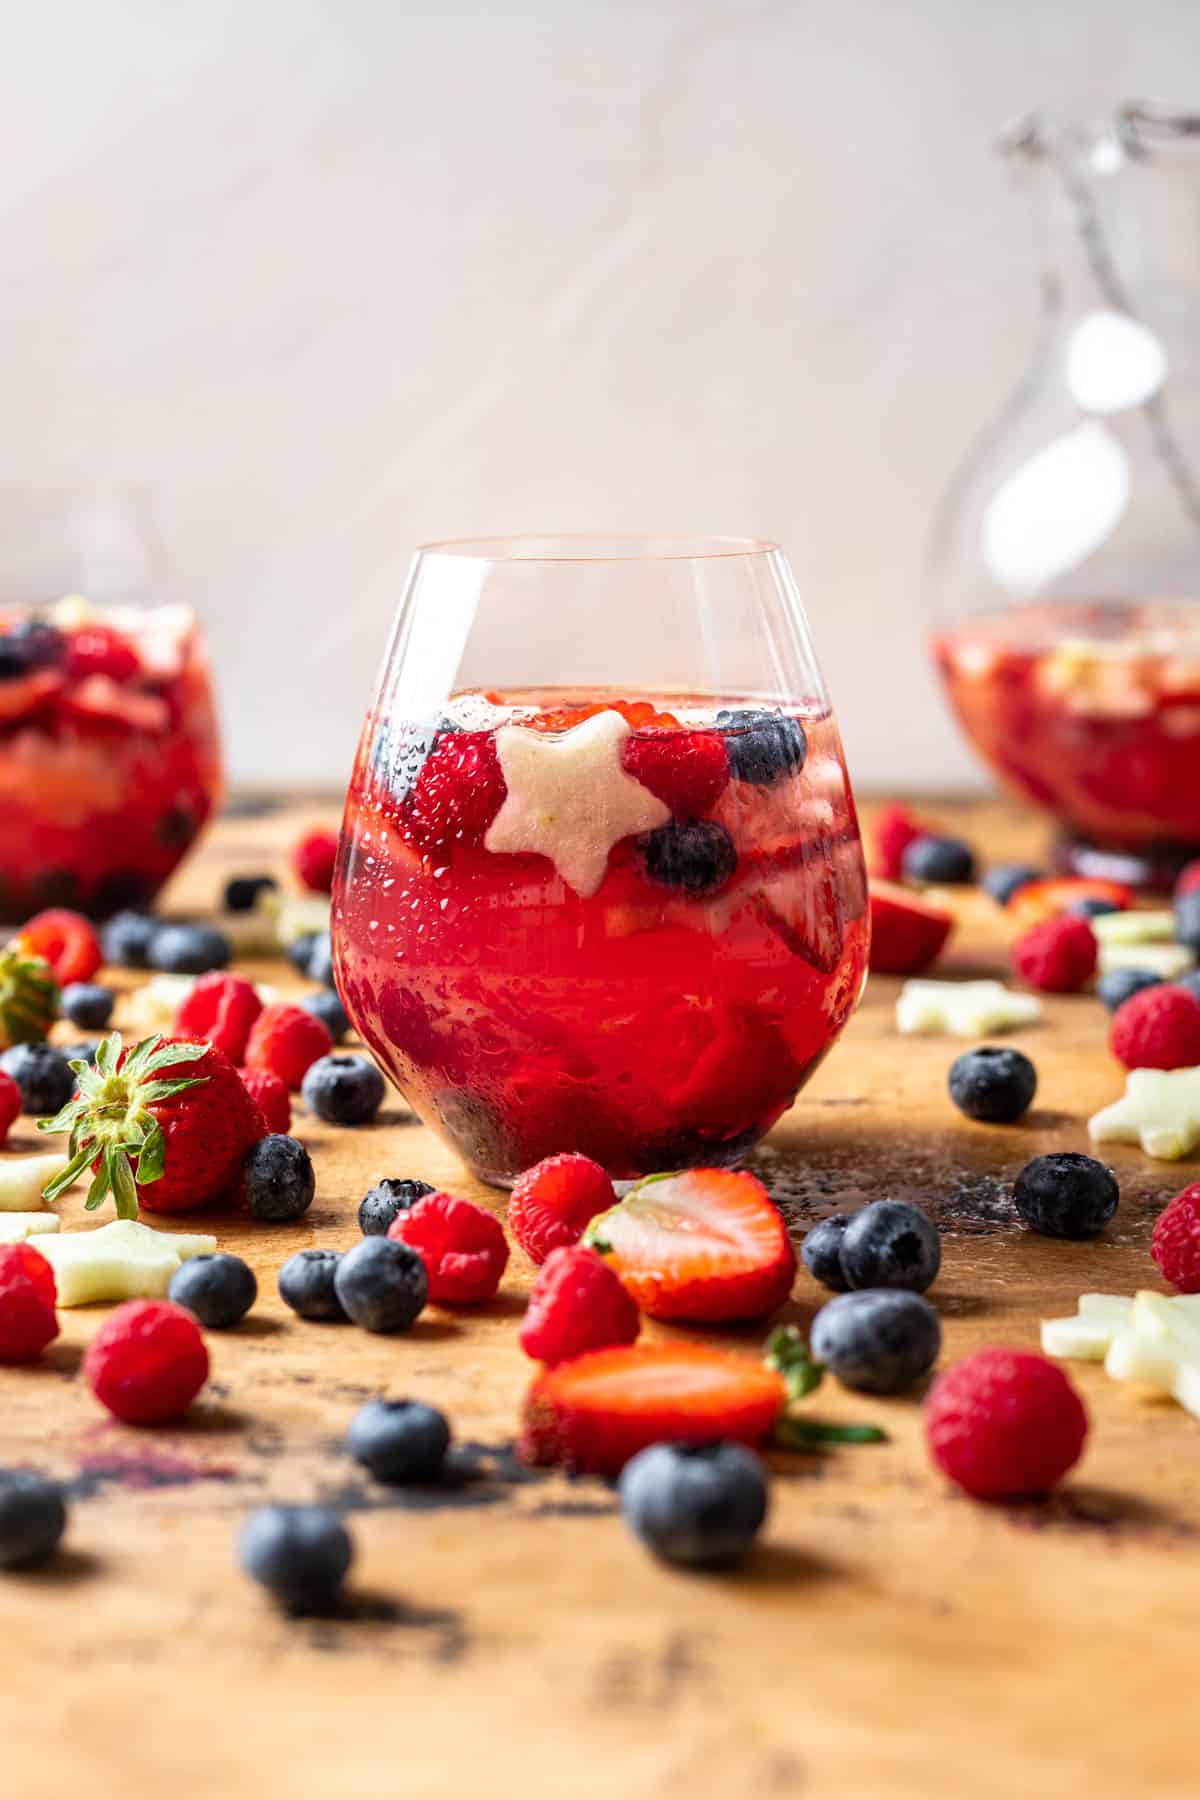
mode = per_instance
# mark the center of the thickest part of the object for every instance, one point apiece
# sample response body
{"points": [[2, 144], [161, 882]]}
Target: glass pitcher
{"points": [[1064, 574]]}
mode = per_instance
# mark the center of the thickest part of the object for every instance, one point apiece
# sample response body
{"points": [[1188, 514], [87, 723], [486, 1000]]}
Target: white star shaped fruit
{"points": [[1160, 1110], [570, 799], [962, 1008], [124, 1260]]}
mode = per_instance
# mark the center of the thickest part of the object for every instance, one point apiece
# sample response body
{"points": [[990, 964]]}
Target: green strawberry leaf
{"points": [[809, 1434], [71, 1173], [152, 1156], [123, 1185], [788, 1354]]}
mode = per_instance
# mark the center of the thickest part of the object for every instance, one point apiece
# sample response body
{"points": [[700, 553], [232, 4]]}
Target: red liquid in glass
{"points": [[1091, 712], [641, 1025], [109, 760]]}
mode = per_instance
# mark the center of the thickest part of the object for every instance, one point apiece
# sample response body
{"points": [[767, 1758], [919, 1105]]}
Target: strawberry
{"points": [[165, 1124], [28, 997], [1039, 900], [908, 931], [703, 1245], [221, 1008], [100, 650], [314, 858], [686, 770], [592, 1414], [66, 940]]}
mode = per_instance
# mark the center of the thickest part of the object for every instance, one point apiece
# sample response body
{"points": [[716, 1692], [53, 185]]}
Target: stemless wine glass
{"points": [[109, 757], [600, 887]]}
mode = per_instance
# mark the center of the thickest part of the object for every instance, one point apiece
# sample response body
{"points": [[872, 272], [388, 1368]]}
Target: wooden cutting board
{"points": [[507, 1636]]}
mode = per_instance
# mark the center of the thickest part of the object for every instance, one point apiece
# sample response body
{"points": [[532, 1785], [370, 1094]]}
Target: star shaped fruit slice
{"points": [[123, 1260], [1160, 1110]]}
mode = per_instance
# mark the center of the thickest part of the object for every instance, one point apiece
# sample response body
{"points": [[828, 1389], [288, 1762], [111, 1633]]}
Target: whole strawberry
{"points": [[164, 1125]]}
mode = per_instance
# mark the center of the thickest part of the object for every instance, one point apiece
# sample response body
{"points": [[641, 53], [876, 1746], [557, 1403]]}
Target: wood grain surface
{"points": [[505, 1635]]}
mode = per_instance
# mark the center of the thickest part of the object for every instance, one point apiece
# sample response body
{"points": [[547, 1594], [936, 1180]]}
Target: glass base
{"points": [[687, 1151], [1153, 869]]}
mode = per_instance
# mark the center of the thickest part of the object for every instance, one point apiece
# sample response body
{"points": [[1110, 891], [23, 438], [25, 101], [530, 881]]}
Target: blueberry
{"points": [[306, 1284], [993, 1085], [1004, 880], [300, 949], [890, 1244], [320, 960], [946, 860], [698, 857], [79, 1052], [1120, 985], [1190, 981], [87, 1005], [701, 1505], [219, 1290], [279, 1180], [821, 1251], [1089, 907], [242, 891], [399, 1440], [188, 949], [28, 645], [382, 1205], [33, 1517], [382, 1284], [1187, 919], [343, 1090], [326, 1006], [879, 1340], [43, 1074], [300, 1554], [125, 938], [1065, 1195], [763, 747]]}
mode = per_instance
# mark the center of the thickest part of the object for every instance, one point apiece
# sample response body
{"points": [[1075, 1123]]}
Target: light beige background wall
{"points": [[338, 275]]}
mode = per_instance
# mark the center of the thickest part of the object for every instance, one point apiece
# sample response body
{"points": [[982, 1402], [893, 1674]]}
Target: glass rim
{"points": [[598, 547]]}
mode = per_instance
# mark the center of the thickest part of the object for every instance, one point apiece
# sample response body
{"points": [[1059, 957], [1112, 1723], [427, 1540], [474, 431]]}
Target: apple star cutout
{"points": [[570, 799], [962, 1008], [22, 1179], [124, 1260], [15, 1227], [1160, 1110]]}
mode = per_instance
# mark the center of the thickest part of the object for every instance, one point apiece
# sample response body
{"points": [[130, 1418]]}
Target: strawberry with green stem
{"points": [[164, 1126]]}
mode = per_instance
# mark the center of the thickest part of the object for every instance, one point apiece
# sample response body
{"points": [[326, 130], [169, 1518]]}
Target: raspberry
{"points": [[221, 1008], [66, 941], [313, 860], [463, 1247], [577, 1304], [1188, 880], [1175, 1245], [895, 830], [1004, 1424], [10, 1104], [1057, 956], [286, 1041], [553, 1203], [686, 770], [270, 1095], [1157, 1029], [99, 650], [457, 794], [147, 1362], [28, 1321]]}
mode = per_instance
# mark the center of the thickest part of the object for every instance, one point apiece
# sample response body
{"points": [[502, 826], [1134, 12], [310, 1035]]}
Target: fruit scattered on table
{"points": [[821, 1252], [1168, 961], [278, 1180], [1058, 956], [23, 1180], [1003, 880], [326, 1005], [1175, 1242], [242, 891], [1034, 901], [1066, 1195], [382, 1285], [878, 1340], [1157, 1029], [698, 1505], [300, 1554], [1160, 1110], [1137, 926], [33, 1518], [943, 861], [382, 1204], [286, 1041], [313, 860], [1005, 1424], [65, 940], [28, 1300], [188, 949], [995, 1086], [28, 997], [1120, 985], [122, 1260], [704, 1245], [217, 1288], [220, 1009], [908, 930], [307, 1284], [271, 1097], [10, 1106], [44, 1077], [1086, 1335], [890, 1244], [895, 830], [16, 1227], [343, 1089], [401, 1442], [147, 1362], [552, 1203], [577, 1304], [963, 1008], [87, 1004], [464, 1248], [125, 939]]}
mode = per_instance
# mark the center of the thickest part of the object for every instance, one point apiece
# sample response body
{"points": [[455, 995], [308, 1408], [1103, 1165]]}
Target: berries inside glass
{"points": [[624, 922], [109, 757]]}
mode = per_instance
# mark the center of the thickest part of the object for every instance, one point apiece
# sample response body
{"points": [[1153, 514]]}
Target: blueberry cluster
{"points": [[887, 1244]]}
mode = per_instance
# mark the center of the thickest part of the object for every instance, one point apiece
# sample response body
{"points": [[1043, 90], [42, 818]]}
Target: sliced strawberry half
{"points": [[908, 931], [704, 1245], [1039, 900], [593, 1414]]}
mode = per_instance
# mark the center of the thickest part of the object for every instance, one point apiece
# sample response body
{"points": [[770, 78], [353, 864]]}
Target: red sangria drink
{"points": [[626, 926], [109, 756], [1092, 712]]}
